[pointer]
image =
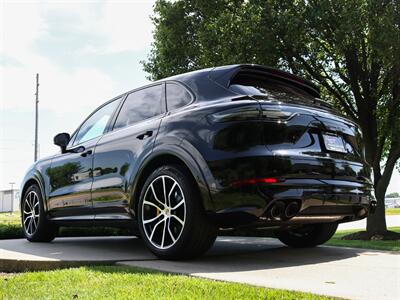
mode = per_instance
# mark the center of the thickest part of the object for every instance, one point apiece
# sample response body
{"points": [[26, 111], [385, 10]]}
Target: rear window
{"points": [[257, 84]]}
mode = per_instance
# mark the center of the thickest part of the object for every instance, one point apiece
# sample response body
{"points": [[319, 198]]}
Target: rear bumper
{"points": [[319, 201]]}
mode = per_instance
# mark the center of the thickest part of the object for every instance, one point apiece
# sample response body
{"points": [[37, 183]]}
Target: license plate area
{"points": [[333, 143]]}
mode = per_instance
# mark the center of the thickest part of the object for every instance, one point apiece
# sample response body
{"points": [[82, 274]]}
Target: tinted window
{"points": [[96, 124], [254, 84], [177, 96], [140, 105]]}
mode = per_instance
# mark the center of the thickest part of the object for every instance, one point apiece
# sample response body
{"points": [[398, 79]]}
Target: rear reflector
{"points": [[255, 181]]}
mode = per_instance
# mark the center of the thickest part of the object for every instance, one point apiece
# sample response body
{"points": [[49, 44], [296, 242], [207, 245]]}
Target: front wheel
{"points": [[309, 235], [172, 222], [35, 226]]}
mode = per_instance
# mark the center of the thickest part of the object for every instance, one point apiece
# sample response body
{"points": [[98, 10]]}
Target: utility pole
{"points": [[36, 117], [12, 196]]}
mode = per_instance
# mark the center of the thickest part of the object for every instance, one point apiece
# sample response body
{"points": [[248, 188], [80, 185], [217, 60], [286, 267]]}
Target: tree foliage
{"points": [[351, 49]]}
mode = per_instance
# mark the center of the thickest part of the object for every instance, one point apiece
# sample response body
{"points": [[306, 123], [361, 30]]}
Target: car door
{"points": [[70, 174], [119, 152]]}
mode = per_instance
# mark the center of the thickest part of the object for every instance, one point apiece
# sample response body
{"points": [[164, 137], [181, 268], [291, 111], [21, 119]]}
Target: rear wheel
{"points": [[172, 222], [309, 235], [35, 226]]}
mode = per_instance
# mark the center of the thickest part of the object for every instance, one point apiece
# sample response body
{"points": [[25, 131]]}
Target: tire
{"points": [[35, 226], [309, 235], [180, 229]]}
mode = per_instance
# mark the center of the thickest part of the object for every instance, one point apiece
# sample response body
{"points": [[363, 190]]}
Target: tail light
{"points": [[236, 114], [247, 113]]}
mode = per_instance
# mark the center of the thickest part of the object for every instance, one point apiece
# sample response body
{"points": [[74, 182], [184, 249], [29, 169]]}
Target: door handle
{"points": [[142, 136], [89, 152]]}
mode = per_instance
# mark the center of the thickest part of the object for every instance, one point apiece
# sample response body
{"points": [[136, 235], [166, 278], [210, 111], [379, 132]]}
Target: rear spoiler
{"points": [[224, 75]]}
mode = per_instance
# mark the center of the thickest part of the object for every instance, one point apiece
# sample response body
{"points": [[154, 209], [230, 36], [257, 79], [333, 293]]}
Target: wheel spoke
{"points": [[31, 196], [30, 225], [163, 233], [178, 219], [165, 193], [170, 233], [29, 205], [152, 219], [170, 192], [27, 212], [155, 196], [154, 229], [179, 204], [27, 218], [34, 222], [152, 204]]}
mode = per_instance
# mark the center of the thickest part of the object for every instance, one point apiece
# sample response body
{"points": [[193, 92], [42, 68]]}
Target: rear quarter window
{"points": [[177, 96], [140, 105]]}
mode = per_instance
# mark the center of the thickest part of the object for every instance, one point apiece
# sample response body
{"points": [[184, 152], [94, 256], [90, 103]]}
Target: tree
{"points": [[351, 49], [393, 195]]}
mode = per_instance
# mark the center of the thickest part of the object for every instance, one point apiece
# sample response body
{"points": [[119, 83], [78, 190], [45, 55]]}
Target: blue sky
{"points": [[86, 52]]}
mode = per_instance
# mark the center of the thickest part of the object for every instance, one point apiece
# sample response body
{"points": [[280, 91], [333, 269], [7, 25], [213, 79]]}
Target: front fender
{"points": [[33, 175]]}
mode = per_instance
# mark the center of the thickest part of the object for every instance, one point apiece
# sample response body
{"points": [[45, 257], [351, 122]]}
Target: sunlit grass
{"points": [[128, 283], [376, 244]]}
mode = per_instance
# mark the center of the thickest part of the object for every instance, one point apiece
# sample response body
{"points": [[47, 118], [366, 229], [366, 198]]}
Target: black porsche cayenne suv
{"points": [[225, 147]]}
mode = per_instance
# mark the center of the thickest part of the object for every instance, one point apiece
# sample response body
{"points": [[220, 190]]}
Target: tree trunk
{"points": [[376, 223]]}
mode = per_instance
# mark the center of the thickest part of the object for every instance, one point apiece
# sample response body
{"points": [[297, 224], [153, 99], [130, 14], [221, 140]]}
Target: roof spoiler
{"points": [[223, 76]]}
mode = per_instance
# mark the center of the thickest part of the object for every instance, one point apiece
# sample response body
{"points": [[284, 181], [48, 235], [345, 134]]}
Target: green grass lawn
{"points": [[377, 245], [392, 211], [129, 283], [10, 225], [10, 218]]}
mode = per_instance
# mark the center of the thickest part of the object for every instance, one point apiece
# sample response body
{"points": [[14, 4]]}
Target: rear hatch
{"points": [[298, 125]]}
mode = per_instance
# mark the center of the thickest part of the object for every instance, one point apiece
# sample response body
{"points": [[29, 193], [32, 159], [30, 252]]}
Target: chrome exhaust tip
{"points": [[277, 210], [292, 209]]}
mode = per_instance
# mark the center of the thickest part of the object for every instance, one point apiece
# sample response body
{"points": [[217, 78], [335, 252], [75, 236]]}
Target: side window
{"points": [[96, 124], [139, 106], [177, 96]]}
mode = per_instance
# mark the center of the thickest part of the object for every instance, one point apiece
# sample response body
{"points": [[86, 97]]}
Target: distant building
{"points": [[392, 202], [9, 200]]}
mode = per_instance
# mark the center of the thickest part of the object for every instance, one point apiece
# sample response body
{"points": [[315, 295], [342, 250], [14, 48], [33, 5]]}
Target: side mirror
{"points": [[62, 140]]}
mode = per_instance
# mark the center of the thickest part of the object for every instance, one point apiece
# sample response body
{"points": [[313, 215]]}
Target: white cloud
{"points": [[21, 24], [123, 24]]}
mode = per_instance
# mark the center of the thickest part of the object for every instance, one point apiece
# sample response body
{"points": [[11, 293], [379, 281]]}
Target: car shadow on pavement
{"points": [[253, 253], [229, 254], [236, 254]]}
